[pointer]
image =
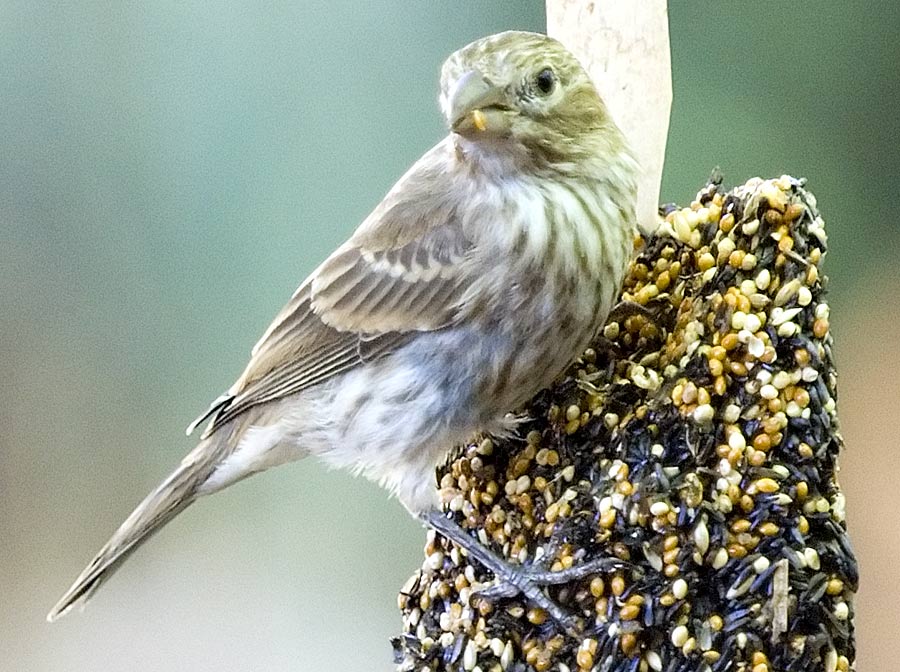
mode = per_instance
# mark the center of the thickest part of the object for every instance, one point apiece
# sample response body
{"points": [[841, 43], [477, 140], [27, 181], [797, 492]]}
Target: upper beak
{"points": [[477, 105]]}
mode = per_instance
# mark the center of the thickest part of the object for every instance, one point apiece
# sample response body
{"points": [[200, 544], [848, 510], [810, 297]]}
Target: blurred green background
{"points": [[170, 171]]}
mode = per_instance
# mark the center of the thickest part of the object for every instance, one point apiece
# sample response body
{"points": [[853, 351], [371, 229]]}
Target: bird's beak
{"points": [[478, 107]]}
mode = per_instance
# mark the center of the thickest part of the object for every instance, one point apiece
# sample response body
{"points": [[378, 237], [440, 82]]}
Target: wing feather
{"points": [[402, 272], [373, 291]]}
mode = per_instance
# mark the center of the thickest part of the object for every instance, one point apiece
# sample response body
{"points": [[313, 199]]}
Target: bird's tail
{"points": [[170, 498]]}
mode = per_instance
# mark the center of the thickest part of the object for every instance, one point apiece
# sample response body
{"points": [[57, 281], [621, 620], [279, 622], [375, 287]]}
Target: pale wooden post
{"points": [[625, 48]]}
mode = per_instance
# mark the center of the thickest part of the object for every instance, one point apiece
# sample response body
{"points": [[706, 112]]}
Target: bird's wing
{"points": [[403, 271]]}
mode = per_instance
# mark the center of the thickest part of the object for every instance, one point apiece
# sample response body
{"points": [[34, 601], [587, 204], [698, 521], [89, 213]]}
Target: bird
{"points": [[483, 273]]}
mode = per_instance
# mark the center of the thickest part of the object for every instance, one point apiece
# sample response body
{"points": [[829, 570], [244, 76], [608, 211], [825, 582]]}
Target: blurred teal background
{"points": [[170, 171]]}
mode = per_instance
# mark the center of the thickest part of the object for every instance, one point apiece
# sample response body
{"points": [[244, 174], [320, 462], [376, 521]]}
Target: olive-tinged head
{"points": [[523, 87]]}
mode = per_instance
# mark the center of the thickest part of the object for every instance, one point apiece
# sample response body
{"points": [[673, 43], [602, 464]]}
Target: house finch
{"points": [[481, 275]]}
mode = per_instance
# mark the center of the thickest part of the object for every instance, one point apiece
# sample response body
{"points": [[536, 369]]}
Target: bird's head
{"points": [[523, 91]]}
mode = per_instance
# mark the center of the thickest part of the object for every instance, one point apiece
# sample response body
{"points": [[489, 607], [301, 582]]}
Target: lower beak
{"points": [[477, 106]]}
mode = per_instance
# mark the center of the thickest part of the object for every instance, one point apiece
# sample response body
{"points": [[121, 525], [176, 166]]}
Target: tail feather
{"points": [[170, 498]]}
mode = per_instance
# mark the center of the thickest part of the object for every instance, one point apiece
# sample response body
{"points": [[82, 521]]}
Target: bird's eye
{"points": [[545, 81]]}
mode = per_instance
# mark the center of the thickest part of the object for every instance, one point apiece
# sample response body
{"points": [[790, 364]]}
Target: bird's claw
{"points": [[514, 580], [529, 581], [627, 308], [517, 581], [499, 591]]}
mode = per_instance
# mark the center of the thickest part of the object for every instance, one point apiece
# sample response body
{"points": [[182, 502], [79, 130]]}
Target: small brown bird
{"points": [[482, 274]]}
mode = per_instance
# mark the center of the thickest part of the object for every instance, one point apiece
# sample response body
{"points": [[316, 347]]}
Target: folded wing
{"points": [[403, 271]]}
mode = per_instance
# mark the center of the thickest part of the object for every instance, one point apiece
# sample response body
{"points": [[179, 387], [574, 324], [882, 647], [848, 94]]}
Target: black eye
{"points": [[545, 80]]}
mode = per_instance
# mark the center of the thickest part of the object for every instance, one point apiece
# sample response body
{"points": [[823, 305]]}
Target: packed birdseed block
{"points": [[694, 446]]}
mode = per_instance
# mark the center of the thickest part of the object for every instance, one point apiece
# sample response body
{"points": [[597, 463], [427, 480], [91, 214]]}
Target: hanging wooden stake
{"points": [[625, 48]]}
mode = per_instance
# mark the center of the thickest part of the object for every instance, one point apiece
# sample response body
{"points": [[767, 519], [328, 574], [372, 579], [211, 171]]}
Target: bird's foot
{"points": [[529, 582], [516, 580], [624, 309]]}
